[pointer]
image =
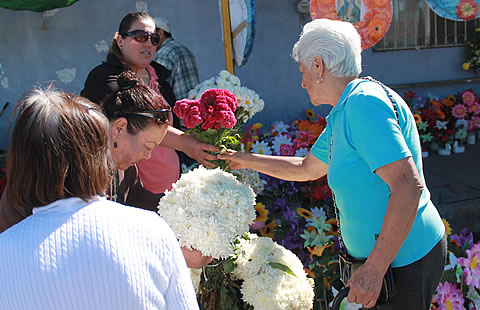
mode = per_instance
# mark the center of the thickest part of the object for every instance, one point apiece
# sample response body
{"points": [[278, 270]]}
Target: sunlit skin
{"points": [[138, 55], [132, 148]]}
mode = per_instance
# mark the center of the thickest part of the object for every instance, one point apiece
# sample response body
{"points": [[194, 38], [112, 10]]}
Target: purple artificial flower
{"points": [[462, 238], [279, 204], [257, 225]]}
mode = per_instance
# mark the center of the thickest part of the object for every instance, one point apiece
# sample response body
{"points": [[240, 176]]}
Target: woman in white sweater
{"points": [[78, 250]]}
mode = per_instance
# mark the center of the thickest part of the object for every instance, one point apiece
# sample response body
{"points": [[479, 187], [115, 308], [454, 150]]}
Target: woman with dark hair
{"points": [[139, 119], [133, 48], [78, 250]]}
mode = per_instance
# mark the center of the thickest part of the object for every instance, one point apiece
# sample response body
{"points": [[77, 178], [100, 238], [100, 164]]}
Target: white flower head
{"points": [[265, 285], [195, 275], [252, 178], [279, 127], [441, 124], [67, 75], [261, 147], [208, 209], [301, 152]]}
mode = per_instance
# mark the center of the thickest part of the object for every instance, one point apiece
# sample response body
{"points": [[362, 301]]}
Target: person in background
{"points": [[371, 151], [133, 48], [178, 59], [79, 250]]}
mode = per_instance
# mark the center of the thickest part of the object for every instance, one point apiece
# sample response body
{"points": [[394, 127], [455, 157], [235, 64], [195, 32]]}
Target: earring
{"points": [[319, 81], [115, 145]]}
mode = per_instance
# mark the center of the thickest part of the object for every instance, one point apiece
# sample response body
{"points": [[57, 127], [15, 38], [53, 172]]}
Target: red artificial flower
{"points": [[190, 111], [287, 150], [467, 9], [409, 95]]}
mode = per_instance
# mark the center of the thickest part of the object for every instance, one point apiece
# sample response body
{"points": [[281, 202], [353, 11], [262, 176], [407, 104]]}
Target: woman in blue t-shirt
{"points": [[371, 151]]}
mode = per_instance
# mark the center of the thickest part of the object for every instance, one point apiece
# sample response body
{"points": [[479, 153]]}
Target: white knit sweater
{"points": [[97, 255]]}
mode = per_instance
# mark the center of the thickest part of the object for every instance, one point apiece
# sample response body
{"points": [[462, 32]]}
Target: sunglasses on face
{"points": [[142, 36], [160, 116]]}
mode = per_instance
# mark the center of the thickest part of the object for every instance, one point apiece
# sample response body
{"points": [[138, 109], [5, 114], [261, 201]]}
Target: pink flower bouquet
{"points": [[212, 119]]}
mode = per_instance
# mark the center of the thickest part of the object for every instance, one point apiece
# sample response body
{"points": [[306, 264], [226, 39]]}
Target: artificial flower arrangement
{"points": [[460, 284], [445, 122], [472, 53], [292, 213]]}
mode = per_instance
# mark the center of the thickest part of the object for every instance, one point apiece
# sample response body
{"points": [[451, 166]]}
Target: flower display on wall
{"points": [[472, 53], [445, 122]]}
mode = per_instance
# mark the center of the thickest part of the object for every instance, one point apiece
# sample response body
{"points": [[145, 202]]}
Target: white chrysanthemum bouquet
{"points": [[249, 102], [273, 277], [208, 209]]}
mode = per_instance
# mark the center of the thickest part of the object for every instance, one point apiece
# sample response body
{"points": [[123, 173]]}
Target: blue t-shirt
{"points": [[366, 136]]}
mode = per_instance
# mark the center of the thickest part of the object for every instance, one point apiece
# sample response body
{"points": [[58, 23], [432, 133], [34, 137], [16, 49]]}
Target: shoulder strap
{"points": [[389, 95]]}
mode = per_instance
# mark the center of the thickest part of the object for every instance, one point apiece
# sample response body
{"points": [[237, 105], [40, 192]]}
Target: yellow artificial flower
{"points": [[268, 230], [310, 114], [262, 213], [257, 126], [417, 118], [466, 66], [304, 213], [448, 229]]}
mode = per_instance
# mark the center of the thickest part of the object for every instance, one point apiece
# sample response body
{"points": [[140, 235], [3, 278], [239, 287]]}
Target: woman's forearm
{"points": [[282, 167]]}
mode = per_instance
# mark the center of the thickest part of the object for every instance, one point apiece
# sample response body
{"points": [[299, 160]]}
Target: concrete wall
{"points": [[36, 49]]}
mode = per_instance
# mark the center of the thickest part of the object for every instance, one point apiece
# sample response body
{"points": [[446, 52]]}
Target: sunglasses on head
{"points": [[160, 116], [142, 36]]}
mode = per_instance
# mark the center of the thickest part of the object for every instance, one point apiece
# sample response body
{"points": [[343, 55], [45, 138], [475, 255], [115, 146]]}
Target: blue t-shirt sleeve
{"points": [[321, 148], [374, 131]]}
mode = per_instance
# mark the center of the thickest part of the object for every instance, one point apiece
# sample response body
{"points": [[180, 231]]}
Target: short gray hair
{"points": [[336, 42]]}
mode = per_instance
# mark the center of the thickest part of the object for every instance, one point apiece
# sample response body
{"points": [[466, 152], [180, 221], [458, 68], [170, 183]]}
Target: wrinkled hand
{"points": [[199, 151], [234, 159], [365, 286], [195, 258]]}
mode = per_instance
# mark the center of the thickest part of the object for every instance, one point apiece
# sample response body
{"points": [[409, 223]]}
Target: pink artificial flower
{"points": [[459, 111], [257, 225], [449, 297], [472, 265], [469, 97], [287, 150], [476, 122], [190, 111], [474, 108]]}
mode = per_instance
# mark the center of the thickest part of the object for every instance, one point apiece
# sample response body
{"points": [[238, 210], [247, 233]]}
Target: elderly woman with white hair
{"points": [[371, 151]]}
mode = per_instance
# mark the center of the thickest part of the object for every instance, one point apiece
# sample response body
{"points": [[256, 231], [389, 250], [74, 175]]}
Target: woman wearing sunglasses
{"points": [[133, 48]]}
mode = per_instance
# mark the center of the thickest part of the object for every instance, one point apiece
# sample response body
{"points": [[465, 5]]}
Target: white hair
{"points": [[336, 42]]}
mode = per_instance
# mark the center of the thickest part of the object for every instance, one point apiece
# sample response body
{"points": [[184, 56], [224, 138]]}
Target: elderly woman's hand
{"points": [[195, 258], [234, 159], [365, 285]]}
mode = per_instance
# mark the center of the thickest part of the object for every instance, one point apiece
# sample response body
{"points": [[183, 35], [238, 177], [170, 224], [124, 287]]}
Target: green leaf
{"points": [[282, 267]]}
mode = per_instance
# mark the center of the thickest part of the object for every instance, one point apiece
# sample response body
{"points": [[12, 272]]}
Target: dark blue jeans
{"points": [[416, 283]]}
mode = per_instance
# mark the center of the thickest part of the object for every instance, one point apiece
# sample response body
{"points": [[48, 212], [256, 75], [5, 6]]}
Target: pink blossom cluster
{"points": [[472, 266], [215, 109]]}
